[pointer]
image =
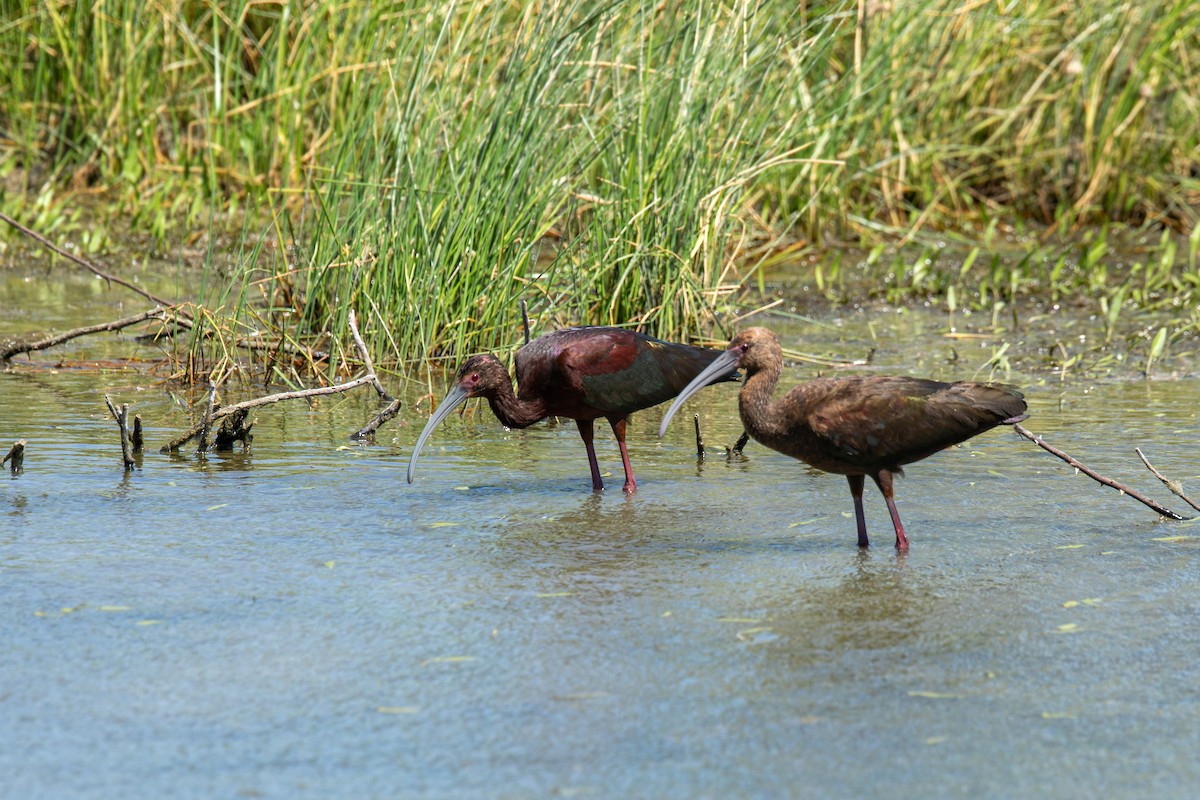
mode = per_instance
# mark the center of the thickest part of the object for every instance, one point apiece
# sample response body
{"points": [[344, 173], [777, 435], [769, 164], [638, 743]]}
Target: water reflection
{"points": [[880, 603]]}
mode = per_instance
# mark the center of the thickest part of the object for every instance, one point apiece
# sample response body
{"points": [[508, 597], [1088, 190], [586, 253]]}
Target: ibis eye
{"points": [[474, 376], [745, 346]]}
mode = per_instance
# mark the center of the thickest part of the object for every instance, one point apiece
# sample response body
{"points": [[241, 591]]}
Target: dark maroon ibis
{"points": [[856, 426], [581, 373]]}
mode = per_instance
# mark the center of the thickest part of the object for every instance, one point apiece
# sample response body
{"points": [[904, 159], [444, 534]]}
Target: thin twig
{"points": [[206, 424], [42, 240], [1096, 476], [368, 430], [180, 322], [366, 357], [122, 417], [281, 347], [1175, 486], [699, 438], [13, 348], [224, 411]]}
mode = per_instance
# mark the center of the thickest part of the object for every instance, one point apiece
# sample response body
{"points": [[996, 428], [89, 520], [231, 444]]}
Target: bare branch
{"points": [[366, 357], [234, 429], [1096, 476], [42, 240], [736, 450], [13, 347], [281, 347], [224, 411], [122, 417], [369, 429], [1175, 486], [206, 424]]}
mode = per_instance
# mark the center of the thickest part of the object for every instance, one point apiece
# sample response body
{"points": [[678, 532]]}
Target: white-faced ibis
{"points": [[856, 426], [583, 374]]}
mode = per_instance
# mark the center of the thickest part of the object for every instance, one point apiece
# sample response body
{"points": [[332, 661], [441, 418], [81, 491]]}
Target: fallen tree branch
{"points": [[42, 240], [1096, 476], [1175, 486], [224, 411], [234, 429], [368, 430], [13, 347]]}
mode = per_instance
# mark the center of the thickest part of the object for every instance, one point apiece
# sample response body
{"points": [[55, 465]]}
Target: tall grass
{"points": [[620, 162], [953, 114], [594, 159]]}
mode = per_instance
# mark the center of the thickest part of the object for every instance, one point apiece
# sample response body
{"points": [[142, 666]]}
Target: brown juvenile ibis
{"points": [[581, 373], [855, 426]]}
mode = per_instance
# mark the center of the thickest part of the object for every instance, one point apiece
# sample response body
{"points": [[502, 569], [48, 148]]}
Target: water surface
{"points": [[297, 621]]}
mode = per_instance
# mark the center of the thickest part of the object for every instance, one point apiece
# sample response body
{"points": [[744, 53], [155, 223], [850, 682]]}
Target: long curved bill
{"points": [[719, 368], [455, 398]]}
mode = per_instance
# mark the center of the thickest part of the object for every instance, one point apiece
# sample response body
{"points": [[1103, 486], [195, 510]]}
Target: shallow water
{"points": [[297, 621]]}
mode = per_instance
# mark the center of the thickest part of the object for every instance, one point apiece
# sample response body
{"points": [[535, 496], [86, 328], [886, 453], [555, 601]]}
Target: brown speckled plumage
{"points": [[859, 426]]}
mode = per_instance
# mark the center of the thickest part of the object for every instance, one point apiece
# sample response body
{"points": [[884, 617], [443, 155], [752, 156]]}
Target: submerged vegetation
{"points": [[429, 164]]}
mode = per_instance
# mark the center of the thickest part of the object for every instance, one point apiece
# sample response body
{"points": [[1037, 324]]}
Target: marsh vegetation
{"points": [[428, 164]]}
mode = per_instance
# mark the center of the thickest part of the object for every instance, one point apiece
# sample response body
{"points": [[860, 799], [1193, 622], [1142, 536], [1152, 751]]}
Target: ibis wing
{"points": [[896, 421], [599, 371], [636, 372]]}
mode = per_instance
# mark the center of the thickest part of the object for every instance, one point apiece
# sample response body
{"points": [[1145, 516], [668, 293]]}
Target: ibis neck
{"points": [[512, 411], [761, 416]]}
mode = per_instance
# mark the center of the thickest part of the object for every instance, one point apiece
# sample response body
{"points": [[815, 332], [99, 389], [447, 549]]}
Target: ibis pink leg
{"points": [[618, 428], [587, 434], [883, 479], [856, 490]]}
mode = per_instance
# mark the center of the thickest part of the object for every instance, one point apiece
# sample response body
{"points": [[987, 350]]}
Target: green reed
{"points": [[622, 162]]}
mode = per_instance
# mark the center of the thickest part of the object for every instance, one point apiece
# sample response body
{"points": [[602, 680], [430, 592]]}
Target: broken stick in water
{"points": [[366, 357], [368, 430], [122, 418], [234, 429], [1096, 476], [1175, 486], [16, 347], [16, 455], [393, 406], [206, 425], [220, 412]]}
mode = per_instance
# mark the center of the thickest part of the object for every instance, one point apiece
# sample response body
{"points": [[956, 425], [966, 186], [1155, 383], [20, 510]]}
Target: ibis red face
{"points": [[716, 371], [471, 383]]}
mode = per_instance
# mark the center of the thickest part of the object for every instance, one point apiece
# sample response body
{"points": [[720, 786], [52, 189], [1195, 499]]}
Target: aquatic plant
{"points": [[427, 164]]}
